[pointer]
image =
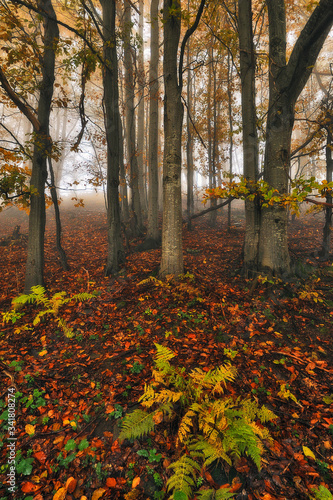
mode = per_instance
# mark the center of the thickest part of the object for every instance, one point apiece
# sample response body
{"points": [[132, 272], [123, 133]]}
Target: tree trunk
{"points": [[152, 230], [189, 144], [231, 128], [172, 251], [286, 81], [250, 138], [111, 117], [326, 244], [137, 226], [141, 116], [54, 196], [42, 148]]}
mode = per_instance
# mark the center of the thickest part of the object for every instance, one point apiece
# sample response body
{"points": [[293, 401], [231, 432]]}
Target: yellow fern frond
{"points": [[185, 426]]}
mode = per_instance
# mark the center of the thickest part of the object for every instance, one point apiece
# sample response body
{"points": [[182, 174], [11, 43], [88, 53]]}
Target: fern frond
{"points": [[185, 425], [265, 415], [184, 477], [162, 357], [136, 424], [212, 450], [221, 494]]}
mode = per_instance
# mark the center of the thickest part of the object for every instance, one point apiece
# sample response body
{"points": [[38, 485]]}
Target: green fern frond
{"points": [[162, 357], [184, 476], [137, 424], [212, 450], [265, 415], [221, 494]]}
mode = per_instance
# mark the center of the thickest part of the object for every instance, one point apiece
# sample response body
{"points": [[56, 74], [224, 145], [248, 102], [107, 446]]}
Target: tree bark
{"points": [[34, 274], [326, 244], [250, 137], [286, 81], [141, 116], [152, 230], [172, 249], [137, 226], [189, 143], [115, 255]]}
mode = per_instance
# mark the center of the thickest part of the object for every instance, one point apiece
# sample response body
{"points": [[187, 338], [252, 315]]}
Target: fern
{"points": [[184, 477], [50, 306], [211, 426], [137, 424], [221, 494]]}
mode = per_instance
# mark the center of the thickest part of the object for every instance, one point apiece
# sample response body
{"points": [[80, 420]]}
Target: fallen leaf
{"points": [[136, 482], [71, 484], [98, 494], [30, 429], [111, 482], [60, 494]]}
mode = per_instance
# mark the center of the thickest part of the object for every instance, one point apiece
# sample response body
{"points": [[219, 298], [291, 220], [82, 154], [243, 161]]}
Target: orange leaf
{"points": [[41, 457], [111, 482], [136, 482], [61, 494], [98, 494], [71, 484], [29, 487]]}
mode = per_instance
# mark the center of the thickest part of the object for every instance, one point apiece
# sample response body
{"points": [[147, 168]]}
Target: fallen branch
{"points": [[227, 202]]}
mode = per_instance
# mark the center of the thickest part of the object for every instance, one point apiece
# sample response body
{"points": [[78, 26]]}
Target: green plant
{"points": [[49, 306], [24, 464], [151, 455], [17, 365], [136, 368], [321, 493], [211, 425]]}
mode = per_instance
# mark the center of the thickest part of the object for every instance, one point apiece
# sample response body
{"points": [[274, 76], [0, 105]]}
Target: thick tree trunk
{"points": [[250, 138], [286, 81], [137, 226], [172, 251], [111, 117], [152, 230], [37, 216]]}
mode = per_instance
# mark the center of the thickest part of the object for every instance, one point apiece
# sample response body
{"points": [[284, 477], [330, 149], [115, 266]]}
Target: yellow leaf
{"points": [[98, 494], [308, 453], [42, 353], [30, 429], [61, 494]]}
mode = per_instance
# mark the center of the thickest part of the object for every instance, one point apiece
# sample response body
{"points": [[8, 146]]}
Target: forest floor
{"points": [[72, 393]]}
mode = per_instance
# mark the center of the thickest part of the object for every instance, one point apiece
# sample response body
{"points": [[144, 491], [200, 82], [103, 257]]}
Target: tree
{"points": [[111, 108], [250, 136], [286, 81], [137, 225], [172, 254], [42, 149], [172, 250], [152, 229]]}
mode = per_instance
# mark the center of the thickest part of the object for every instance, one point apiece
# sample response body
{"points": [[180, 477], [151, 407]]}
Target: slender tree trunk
{"points": [[231, 129], [42, 148], [54, 196], [137, 226], [123, 183], [141, 116], [213, 214], [189, 144], [172, 250], [250, 137], [115, 255], [152, 230], [326, 244]]}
